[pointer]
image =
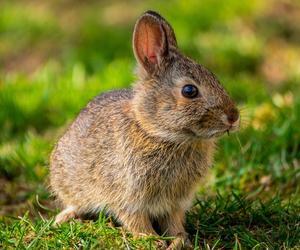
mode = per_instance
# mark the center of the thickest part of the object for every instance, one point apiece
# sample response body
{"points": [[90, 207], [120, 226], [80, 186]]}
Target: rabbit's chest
{"points": [[171, 176], [179, 172], [165, 183]]}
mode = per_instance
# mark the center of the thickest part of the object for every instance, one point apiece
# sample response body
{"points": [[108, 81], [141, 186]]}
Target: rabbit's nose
{"points": [[233, 115]]}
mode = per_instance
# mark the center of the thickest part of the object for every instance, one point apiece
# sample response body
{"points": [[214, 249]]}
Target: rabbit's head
{"points": [[175, 97]]}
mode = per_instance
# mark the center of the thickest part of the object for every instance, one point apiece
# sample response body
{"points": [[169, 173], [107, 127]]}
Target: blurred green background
{"points": [[57, 55]]}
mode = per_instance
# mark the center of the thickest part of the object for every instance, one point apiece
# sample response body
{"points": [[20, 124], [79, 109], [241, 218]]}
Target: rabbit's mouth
{"points": [[217, 132], [233, 127], [210, 133]]}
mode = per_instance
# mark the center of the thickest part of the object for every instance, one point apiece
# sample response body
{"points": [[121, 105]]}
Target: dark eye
{"points": [[189, 91]]}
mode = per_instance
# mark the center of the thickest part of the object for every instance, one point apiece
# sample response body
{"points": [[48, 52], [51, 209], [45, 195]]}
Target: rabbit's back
{"points": [[84, 157]]}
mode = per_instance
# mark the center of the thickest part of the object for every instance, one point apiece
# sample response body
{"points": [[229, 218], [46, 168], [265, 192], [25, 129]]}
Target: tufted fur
{"points": [[141, 152]]}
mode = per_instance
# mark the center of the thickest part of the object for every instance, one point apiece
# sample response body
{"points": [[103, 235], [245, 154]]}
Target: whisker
{"points": [[243, 107], [246, 120]]}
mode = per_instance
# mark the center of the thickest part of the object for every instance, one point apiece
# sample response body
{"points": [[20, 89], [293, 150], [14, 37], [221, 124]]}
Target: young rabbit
{"points": [[141, 152]]}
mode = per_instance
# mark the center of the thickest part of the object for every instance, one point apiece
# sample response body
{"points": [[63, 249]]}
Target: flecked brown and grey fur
{"points": [[141, 152]]}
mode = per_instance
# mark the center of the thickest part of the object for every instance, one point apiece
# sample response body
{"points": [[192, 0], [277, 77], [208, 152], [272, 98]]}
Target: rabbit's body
{"points": [[124, 168], [141, 152], [90, 161]]}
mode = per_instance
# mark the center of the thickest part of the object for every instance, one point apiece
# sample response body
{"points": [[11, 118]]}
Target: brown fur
{"points": [[141, 152]]}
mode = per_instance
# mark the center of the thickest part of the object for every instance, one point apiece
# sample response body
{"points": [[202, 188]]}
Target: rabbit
{"points": [[141, 152]]}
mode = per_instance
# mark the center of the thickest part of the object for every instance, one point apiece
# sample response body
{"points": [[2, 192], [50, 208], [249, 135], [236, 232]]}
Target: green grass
{"points": [[55, 56], [214, 223]]}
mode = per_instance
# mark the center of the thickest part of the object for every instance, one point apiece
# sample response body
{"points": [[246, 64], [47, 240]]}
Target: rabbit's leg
{"points": [[137, 223], [140, 225], [172, 224], [68, 213]]}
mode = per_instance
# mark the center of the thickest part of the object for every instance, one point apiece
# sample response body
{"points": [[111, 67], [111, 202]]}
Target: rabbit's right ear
{"points": [[152, 39]]}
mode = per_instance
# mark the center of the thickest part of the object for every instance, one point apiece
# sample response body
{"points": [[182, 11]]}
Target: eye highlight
{"points": [[190, 91]]}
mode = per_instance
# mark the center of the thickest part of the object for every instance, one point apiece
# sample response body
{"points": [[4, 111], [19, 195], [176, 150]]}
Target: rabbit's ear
{"points": [[152, 39]]}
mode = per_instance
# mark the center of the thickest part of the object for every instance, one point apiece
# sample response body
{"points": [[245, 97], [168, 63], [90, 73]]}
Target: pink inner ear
{"points": [[151, 42]]}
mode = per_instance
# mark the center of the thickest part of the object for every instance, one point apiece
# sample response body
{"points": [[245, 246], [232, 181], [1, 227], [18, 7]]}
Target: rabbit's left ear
{"points": [[152, 39]]}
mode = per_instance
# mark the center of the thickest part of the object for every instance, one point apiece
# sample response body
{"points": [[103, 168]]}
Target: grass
{"points": [[55, 56], [220, 222]]}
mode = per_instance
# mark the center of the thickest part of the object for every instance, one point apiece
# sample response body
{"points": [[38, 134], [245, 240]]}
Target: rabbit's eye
{"points": [[189, 91]]}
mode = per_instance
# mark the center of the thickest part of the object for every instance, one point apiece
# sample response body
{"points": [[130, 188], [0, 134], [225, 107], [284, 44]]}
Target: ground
{"points": [[55, 56]]}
